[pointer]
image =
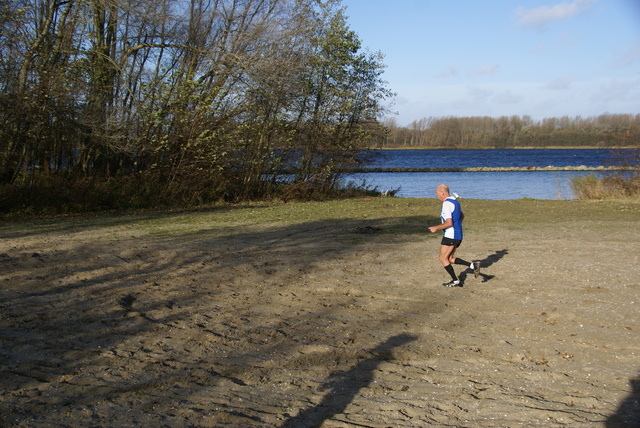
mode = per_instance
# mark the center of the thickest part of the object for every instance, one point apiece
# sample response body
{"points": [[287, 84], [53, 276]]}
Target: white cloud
{"points": [[617, 90], [564, 96], [559, 83], [506, 97], [541, 15], [450, 71], [486, 70], [479, 94]]}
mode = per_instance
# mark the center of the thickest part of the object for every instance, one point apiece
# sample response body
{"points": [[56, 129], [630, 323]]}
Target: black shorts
{"points": [[451, 242]]}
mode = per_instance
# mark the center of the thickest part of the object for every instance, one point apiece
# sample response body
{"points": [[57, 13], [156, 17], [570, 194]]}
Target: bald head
{"points": [[442, 192]]}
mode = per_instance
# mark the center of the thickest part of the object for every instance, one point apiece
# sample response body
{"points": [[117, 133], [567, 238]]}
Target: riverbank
{"points": [[322, 314], [498, 169], [514, 148]]}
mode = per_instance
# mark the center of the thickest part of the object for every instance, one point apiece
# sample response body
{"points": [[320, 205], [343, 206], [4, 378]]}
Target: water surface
{"points": [[485, 185]]}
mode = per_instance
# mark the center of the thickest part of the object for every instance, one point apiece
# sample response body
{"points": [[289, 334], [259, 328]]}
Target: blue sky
{"points": [[545, 58]]}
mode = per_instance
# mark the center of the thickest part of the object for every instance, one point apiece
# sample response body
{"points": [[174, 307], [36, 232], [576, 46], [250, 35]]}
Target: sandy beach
{"points": [[322, 323]]}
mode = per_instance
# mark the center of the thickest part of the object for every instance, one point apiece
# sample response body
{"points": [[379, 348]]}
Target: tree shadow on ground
{"points": [[628, 414], [98, 323], [346, 387], [485, 263]]}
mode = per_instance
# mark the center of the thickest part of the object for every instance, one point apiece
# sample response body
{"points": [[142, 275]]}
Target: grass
{"points": [[395, 216]]}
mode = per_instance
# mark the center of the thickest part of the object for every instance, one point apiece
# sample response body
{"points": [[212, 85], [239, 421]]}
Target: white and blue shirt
{"points": [[451, 209]]}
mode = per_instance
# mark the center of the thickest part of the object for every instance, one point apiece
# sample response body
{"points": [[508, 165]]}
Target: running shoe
{"points": [[455, 283], [476, 269]]}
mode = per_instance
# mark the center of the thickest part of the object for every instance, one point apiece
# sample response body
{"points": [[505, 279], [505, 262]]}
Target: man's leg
{"points": [[475, 266], [446, 253], [459, 261]]}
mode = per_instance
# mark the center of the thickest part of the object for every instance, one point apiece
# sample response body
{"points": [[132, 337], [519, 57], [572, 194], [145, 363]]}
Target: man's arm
{"points": [[447, 224]]}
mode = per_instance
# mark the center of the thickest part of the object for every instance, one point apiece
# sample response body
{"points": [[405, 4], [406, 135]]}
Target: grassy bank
{"points": [[390, 215]]}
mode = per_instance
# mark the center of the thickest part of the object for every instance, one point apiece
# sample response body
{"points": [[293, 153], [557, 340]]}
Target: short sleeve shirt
{"points": [[451, 209]]}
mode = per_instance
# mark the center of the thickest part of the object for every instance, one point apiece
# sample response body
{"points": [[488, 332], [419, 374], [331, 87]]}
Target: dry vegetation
{"points": [[613, 186]]}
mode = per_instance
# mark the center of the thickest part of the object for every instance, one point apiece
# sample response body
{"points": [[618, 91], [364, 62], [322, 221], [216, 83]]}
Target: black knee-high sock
{"points": [[462, 262], [451, 272]]}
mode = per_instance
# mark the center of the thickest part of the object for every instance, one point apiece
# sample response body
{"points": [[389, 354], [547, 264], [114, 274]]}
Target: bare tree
{"points": [[201, 98]]}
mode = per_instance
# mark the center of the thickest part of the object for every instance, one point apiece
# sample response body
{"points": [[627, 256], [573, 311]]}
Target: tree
{"points": [[188, 99], [341, 92]]}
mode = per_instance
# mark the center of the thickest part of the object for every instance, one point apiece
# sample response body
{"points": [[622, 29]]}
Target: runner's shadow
{"points": [[345, 388], [485, 263], [494, 258]]}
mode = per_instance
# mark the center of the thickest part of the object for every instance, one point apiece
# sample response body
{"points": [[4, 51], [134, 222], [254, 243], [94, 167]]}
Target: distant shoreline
{"points": [[510, 148], [496, 169]]}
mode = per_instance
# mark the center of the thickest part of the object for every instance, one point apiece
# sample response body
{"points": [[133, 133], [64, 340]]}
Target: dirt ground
{"points": [[325, 323]]}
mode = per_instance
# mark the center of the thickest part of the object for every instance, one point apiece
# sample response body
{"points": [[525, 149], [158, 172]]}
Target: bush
{"points": [[51, 194], [59, 195], [614, 186]]}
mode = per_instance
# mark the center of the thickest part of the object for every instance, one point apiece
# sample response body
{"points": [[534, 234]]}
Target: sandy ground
{"points": [[332, 324]]}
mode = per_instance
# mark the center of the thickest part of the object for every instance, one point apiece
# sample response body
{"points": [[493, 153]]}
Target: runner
{"points": [[452, 217]]}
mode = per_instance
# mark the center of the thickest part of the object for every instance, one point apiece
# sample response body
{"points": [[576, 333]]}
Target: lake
{"points": [[485, 185]]}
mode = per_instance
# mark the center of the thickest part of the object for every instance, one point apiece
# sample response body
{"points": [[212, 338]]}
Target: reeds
{"points": [[613, 186]]}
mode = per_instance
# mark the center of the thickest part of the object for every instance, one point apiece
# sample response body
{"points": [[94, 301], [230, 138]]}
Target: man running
{"points": [[451, 216]]}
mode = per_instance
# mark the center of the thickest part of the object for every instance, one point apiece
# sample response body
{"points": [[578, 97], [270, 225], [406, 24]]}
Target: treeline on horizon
{"points": [[137, 103], [606, 130]]}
